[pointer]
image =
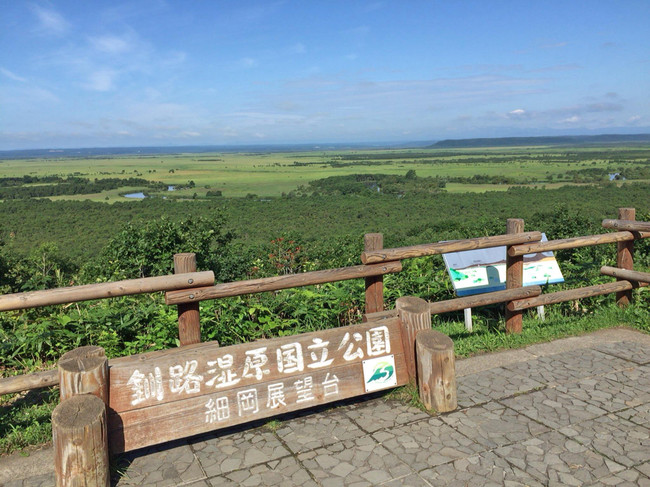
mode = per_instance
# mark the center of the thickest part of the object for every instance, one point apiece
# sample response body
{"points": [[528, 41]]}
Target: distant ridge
{"points": [[536, 141]]}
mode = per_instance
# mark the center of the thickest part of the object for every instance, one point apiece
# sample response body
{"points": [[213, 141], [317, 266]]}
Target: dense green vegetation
{"points": [[317, 224], [81, 229], [68, 186]]}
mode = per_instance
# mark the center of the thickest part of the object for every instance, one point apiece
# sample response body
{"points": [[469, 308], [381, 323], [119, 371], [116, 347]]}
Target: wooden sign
{"points": [[171, 394]]}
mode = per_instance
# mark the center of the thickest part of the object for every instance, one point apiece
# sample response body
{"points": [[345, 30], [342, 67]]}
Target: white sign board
{"points": [[484, 270]]}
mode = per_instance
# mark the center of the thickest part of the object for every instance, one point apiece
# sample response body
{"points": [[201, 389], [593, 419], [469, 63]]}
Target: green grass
{"points": [[25, 419], [488, 334]]}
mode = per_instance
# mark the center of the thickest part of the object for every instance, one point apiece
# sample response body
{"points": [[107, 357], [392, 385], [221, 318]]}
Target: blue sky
{"points": [[153, 72]]}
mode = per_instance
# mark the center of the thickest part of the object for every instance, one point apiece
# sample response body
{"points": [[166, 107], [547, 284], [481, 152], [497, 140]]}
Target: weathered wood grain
{"points": [[514, 276], [84, 370], [26, 382], [574, 243], [276, 283], [399, 253], [374, 284], [625, 274], [624, 256], [631, 225], [189, 324], [152, 425], [79, 437], [414, 316], [33, 299], [573, 294], [472, 301], [436, 367], [171, 375]]}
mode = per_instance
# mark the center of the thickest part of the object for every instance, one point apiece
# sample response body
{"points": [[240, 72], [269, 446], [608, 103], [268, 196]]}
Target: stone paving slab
{"points": [[554, 459], [224, 454], [162, 466], [360, 462], [644, 468], [564, 367], [492, 384], [412, 480], [610, 395], [382, 414], [638, 377], [553, 408], [485, 469], [625, 478], [493, 425], [639, 415], [632, 351], [427, 443], [318, 430], [286, 472], [625, 442]]}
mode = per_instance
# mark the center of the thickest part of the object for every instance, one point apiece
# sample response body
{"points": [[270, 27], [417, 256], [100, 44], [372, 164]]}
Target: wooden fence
{"points": [[187, 288], [129, 402]]}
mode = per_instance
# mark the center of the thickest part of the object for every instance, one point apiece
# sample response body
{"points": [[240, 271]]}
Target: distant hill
{"points": [[572, 140]]}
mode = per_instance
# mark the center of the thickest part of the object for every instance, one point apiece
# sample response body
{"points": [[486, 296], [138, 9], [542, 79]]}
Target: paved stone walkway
{"points": [[570, 412]]}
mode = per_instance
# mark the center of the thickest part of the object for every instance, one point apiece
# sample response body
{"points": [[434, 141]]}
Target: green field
{"points": [[272, 174]]}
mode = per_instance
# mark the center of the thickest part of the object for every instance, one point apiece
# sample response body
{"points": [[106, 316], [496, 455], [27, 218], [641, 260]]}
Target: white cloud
{"points": [[12, 75], [50, 21], [111, 44], [634, 119], [517, 113], [572, 119], [102, 80]]}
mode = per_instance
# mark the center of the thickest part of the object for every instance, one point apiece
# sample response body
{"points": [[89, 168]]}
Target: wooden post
{"points": [[415, 316], [189, 324], [80, 442], [436, 371], [624, 256], [375, 284], [84, 370], [514, 276]]}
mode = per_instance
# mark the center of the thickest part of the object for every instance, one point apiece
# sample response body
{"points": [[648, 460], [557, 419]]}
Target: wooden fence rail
{"points": [[573, 294], [574, 243], [276, 283], [631, 225], [400, 253], [187, 288], [640, 277], [73, 294], [473, 301]]}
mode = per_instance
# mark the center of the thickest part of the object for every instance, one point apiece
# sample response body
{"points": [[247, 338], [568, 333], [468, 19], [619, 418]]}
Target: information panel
{"points": [[484, 270]]}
